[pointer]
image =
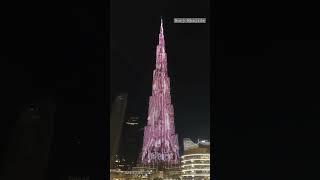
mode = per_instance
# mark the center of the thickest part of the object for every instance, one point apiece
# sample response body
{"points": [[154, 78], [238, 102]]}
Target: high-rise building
{"points": [[160, 143], [131, 139], [196, 160], [116, 121]]}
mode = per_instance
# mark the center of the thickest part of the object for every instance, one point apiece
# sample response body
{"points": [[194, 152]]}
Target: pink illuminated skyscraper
{"points": [[160, 143]]}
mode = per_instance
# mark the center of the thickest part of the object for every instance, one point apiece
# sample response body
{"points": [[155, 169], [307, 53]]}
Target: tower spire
{"points": [[161, 36], [161, 27]]}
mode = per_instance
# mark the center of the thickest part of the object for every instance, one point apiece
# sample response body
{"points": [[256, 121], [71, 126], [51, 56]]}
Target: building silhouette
{"points": [[131, 139], [117, 116]]}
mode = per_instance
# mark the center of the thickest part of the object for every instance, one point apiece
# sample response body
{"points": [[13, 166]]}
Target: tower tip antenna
{"points": [[161, 26]]}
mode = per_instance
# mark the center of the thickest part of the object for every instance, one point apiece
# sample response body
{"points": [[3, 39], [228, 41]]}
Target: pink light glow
{"points": [[160, 143]]}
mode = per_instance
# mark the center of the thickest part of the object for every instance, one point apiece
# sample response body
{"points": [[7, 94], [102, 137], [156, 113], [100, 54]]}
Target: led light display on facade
{"points": [[160, 143]]}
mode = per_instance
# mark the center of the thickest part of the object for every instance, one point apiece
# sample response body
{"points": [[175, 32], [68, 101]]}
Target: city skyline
{"points": [[126, 75], [131, 66]]}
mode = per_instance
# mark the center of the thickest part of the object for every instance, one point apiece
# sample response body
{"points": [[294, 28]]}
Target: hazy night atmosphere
{"points": [[245, 83], [133, 46], [133, 58]]}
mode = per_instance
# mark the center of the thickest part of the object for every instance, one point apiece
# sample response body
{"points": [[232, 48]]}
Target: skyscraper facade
{"points": [[160, 143]]}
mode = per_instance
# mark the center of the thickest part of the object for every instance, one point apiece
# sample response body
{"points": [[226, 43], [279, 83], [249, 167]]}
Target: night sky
{"points": [[134, 36]]}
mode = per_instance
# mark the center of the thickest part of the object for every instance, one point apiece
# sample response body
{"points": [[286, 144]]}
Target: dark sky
{"points": [[58, 51], [266, 95], [134, 36]]}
